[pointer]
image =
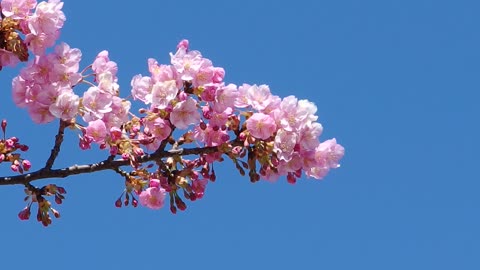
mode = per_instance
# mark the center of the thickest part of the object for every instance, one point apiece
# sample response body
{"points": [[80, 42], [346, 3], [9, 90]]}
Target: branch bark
{"points": [[107, 164], [56, 147]]}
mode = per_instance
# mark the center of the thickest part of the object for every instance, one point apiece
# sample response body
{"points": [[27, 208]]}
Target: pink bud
{"points": [[55, 213], [26, 165], [218, 75], [291, 178], [154, 183], [24, 214], [4, 125], [115, 133], [134, 202], [118, 203], [14, 168], [61, 190], [183, 44]]}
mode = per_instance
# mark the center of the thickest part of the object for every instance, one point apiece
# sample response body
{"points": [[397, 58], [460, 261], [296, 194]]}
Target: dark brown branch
{"points": [[107, 164], [56, 147]]}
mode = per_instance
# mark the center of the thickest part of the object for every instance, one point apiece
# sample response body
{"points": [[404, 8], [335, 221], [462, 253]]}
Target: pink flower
{"points": [[7, 58], [225, 97], [107, 83], [295, 114], [219, 119], [183, 44], [187, 64], [210, 136], [309, 135], [218, 74], [17, 9], [48, 93], [284, 144], [204, 74], [159, 128], [44, 25], [40, 113], [66, 106], [119, 113], [242, 100], [141, 87], [19, 91], [153, 197], [198, 187], [261, 126], [68, 57], [163, 93], [97, 131], [102, 64], [161, 73], [185, 113], [259, 96], [97, 102], [329, 152]]}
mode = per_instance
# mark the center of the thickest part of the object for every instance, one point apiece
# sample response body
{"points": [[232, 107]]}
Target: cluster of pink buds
{"points": [[37, 195], [8, 152]]}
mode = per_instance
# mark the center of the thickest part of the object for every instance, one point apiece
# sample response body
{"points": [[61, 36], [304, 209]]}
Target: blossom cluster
{"points": [[27, 25], [185, 103], [277, 136]]}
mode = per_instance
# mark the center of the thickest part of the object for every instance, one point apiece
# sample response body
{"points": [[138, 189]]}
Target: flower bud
{"points": [[4, 125], [25, 213], [118, 203]]}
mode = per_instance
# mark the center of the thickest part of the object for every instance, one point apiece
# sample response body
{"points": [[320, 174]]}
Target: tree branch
{"points": [[107, 164], [56, 148]]}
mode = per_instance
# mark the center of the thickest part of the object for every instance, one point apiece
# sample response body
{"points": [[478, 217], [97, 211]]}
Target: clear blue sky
{"points": [[396, 82]]}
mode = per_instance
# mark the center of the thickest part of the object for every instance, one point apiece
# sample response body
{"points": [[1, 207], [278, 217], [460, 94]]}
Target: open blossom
{"points": [[65, 106], [158, 128], [141, 87], [259, 96], [107, 83], [162, 94], [97, 131], [187, 64], [102, 64], [294, 114], [330, 152], [261, 126], [309, 135], [44, 26], [161, 73], [40, 113], [185, 113], [97, 101], [8, 58], [153, 197], [285, 144], [66, 56], [225, 97], [18, 9]]}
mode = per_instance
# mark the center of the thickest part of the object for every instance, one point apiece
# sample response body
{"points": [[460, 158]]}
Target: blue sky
{"points": [[396, 82]]}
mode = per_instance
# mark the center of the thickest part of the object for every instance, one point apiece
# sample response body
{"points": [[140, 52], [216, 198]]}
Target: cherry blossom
{"points": [[153, 197], [261, 126], [185, 113]]}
